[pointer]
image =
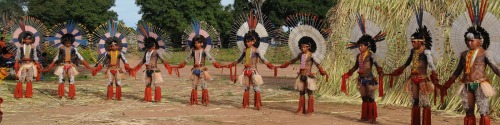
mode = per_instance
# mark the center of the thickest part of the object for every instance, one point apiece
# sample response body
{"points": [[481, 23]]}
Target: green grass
{"points": [[226, 55]]}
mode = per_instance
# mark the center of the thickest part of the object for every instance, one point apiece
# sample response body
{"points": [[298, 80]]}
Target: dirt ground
{"points": [[279, 100]]}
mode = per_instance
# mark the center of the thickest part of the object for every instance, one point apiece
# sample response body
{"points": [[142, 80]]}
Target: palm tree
{"points": [[10, 9]]}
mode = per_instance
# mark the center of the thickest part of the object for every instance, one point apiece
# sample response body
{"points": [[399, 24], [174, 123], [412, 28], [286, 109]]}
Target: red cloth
{"points": [[147, 94], [118, 93], [110, 92], [310, 105], [372, 111], [72, 91], [415, 115], [60, 90], [485, 120], [391, 81], [246, 99], [364, 111], [29, 90], [204, 97], [257, 101], [157, 94], [302, 105], [343, 86], [194, 97], [248, 73], [380, 86], [417, 80], [18, 92], [426, 117]]}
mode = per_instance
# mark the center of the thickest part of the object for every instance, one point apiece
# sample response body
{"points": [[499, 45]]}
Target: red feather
{"points": [[469, 9], [380, 35], [21, 24], [113, 26], [143, 30], [252, 21], [484, 6]]}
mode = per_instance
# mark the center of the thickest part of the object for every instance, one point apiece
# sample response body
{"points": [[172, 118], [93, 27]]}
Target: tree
{"points": [[240, 7], [90, 13], [10, 9], [278, 10], [175, 15]]}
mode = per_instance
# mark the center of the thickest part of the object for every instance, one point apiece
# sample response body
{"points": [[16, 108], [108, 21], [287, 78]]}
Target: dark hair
{"points": [[150, 42], [25, 35], [309, 41], [367, 40], [423, 33], [28, 35], [5, 50], [199, 39], [112, 40], [479, 33], [68, 38], [252, 35]]}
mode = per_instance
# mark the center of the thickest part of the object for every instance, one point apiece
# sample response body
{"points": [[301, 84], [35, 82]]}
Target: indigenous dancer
{"points": [[151, 39], [111, 41], [67, 38], [367, 34], [423, 32], [307, 44], [474, 57], [253, 40], [199, 38], [27, 35]]}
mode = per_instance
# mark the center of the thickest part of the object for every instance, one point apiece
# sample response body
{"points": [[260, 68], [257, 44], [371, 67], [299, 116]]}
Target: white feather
{"points": [[371, 29], [435, 31], [306, 30], [462, 23]]}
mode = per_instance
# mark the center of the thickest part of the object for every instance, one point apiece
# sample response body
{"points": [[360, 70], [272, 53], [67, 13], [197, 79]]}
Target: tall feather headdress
{"points": [[200, 28], [424, 26], [307, 25]]}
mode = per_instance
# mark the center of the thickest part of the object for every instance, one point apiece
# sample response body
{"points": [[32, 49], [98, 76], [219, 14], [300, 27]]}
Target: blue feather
{"points": [[360, 23], [52, 38], [82, 42], [109, 28], [115, 24], [138, 29], [146, 27], [70, 26], [196, 26]]}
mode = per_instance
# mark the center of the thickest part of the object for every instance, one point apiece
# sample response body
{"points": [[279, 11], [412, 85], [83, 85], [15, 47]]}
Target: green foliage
{"points": [[274, 55], [176, 15], [240, 6], [10, 9], [278, 10], [88, 54], [91, 13]]}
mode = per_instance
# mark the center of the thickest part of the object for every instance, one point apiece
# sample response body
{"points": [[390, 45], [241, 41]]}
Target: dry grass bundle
{"points": [[393, 16]]}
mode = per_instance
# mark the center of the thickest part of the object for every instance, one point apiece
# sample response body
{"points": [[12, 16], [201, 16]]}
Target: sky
{"points": [[128, 11]]}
